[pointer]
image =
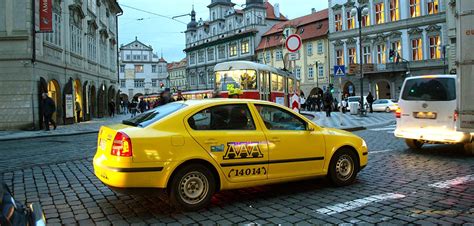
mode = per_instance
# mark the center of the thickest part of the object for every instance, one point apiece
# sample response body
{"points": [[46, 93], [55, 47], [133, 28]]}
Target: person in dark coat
{"points": [[327, 100], [318, 102], [165, 97], [370, 101], [133, 107], [111, 108], [48, 110], [142, 105], [78, 111], [181, 97]]}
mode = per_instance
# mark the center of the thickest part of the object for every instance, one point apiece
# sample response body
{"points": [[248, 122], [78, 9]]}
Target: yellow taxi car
{"points": [[193, 149]]}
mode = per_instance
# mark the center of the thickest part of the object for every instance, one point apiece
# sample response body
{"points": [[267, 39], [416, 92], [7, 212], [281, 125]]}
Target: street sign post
{"points": [[339, 71]]}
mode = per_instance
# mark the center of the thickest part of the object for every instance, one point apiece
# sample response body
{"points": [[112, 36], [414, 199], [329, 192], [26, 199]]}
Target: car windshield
{"points": [[430, 89], [154, 115]]}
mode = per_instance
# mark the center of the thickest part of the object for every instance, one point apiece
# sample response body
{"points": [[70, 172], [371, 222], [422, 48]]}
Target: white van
{"points": [[427, 112]]}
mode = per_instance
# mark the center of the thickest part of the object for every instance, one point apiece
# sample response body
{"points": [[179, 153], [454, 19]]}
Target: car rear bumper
{"points": [[436, 135], [133, 177]]}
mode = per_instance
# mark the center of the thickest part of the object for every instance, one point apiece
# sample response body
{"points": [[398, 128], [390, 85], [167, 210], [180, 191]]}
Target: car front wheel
{"points": [[343, 168], [387, 109], [413, 144], [192, 187]]}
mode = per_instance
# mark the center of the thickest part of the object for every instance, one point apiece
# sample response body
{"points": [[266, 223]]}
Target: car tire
{"points": [[387, 109], [414, 144], [343, 167], [192, 187], [469, 148]]}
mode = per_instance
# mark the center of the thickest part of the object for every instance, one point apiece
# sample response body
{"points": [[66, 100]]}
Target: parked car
{"points": [[356, 99], [195, 148], [385, 105], [427, 113]]}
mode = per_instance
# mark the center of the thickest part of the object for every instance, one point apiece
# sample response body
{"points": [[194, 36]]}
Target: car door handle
{"points": [[275, 140], [210, 141]]}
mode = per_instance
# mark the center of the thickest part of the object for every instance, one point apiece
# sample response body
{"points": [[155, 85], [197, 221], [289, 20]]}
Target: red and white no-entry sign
{"points": [[293, 43]]}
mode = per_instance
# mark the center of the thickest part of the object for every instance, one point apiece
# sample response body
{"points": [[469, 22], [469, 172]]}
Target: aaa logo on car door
{"points": [[242, 150]]}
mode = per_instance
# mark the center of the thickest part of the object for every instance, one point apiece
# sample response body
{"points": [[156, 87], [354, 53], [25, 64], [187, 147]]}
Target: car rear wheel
{"points": [[343, 167], [469, 148], [387, 109], [192, 187], [413, 144]]}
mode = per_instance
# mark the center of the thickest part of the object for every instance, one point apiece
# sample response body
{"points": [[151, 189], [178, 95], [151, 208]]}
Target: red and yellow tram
{"points": [[255, 81]]}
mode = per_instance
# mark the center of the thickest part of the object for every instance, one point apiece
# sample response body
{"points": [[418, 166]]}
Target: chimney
{"points": [[277, 10], [313, 10]]}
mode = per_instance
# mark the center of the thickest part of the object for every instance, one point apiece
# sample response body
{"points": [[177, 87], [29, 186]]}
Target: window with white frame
{"points": [[394, 12], [432, 7], [268, 56], [310, 72], [396, 46], [122, 83], [309, 49], [192, 58], [279, 55], [128, 57], [103, 51], [415, 9], [350, 20], [381, 54], [154, 82], [92, 45], [340, 57], [139, 83], [210, 54], [320, 48], [145, 57], [365, 20], [201, 56], [367, 55], [76, 39], [221, 52], [139, 68], [260, 58], [298, 73], [352, 52], [244, 46], [233, 49], [55, 36], [379, 13], [122, 68], [153, 68], [416, 49], [321, 71], [338, 22], [435, 51]]}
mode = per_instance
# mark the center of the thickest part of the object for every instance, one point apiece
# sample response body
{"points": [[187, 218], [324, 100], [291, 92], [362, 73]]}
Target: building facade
{"points": [[141, 71], [177, 75], [413, 30], [229, 34], [312, 65], [76, 62]]}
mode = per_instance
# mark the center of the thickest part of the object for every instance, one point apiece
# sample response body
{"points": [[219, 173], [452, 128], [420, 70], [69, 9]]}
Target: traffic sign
{"points": [[293, 56], [293, 43], [339, 71]]}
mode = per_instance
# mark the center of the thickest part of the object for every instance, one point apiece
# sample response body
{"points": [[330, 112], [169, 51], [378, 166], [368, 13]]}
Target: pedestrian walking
{"points": [[344, 104], [318, 102], [142, 105], [370, 100], [303, 102], [165, 97], [327, 101], [133, 107], [78, 111], [112, 108], [182, 98], [48, 110]]}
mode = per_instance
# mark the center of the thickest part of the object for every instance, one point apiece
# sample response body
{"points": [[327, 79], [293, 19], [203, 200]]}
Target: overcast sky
{"points": [[166, 35]]}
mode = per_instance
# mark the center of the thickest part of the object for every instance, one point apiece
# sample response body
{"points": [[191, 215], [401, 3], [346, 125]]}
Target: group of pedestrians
{"points": [[319, 102]]}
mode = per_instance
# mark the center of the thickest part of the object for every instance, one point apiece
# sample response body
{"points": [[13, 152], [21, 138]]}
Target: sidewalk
{"points": [[92, 126], [353, 122]]}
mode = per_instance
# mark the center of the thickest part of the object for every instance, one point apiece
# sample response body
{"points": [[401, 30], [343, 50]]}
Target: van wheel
{"points": [[469, 148], [192, 187], [387, 109], [343, 168], [413, 144]]}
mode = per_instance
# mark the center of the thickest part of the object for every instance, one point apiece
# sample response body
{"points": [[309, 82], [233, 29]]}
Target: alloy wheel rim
{"points": [[193, 187], [344, 167]]}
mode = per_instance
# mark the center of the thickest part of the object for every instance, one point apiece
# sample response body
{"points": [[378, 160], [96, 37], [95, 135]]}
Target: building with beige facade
{"points": [[75, 62], [177, 75], [312, 64]]}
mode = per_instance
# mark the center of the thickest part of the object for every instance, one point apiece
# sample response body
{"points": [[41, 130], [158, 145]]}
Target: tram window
{"points": [[242, 79], [277, 82]]}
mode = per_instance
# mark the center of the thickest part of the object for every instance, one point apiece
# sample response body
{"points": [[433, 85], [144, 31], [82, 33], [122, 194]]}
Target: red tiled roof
{"points": [[162, 60], [308, 27], [173, 65], [271, 12]]}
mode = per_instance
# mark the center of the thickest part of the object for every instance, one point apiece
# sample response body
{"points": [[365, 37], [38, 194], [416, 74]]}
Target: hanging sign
{"points": [[45, 16]]}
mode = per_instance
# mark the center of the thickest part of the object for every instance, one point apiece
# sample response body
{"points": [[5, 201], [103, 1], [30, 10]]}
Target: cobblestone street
{"points": [[432, 186]]}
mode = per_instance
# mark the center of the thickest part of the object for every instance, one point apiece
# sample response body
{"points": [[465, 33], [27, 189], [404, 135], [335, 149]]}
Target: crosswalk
{"points": [[388, 129], [338, 120]]}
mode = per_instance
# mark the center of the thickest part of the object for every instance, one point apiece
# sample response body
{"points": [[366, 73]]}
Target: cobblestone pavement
{"points": [[399, 186]]}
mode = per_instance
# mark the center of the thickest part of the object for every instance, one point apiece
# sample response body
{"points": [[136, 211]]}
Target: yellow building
{"points": [[312, 63]]}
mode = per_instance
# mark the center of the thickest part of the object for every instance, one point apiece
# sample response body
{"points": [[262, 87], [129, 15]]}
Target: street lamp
{"points": [[360, 11]]}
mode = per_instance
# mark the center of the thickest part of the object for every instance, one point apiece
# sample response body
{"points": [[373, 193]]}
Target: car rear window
{"points": [[430, 89], [154, 115]]}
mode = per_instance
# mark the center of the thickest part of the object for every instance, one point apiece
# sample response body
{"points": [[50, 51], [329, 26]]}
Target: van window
{"points": [[430, 89]]}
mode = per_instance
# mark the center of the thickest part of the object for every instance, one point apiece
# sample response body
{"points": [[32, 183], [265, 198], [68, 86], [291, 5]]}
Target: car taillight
{"points": [[456, 115], [398, 113], [122, 145]]}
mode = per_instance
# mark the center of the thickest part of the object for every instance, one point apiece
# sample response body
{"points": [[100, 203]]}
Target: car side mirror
{"points": [[310, 128]]}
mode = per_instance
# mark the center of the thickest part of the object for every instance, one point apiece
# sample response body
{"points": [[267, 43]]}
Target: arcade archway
{"points": [[382, 90], [78, 101], [101, 102], [349, 89], [93, 102], [316, 91], [54, 92]]}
